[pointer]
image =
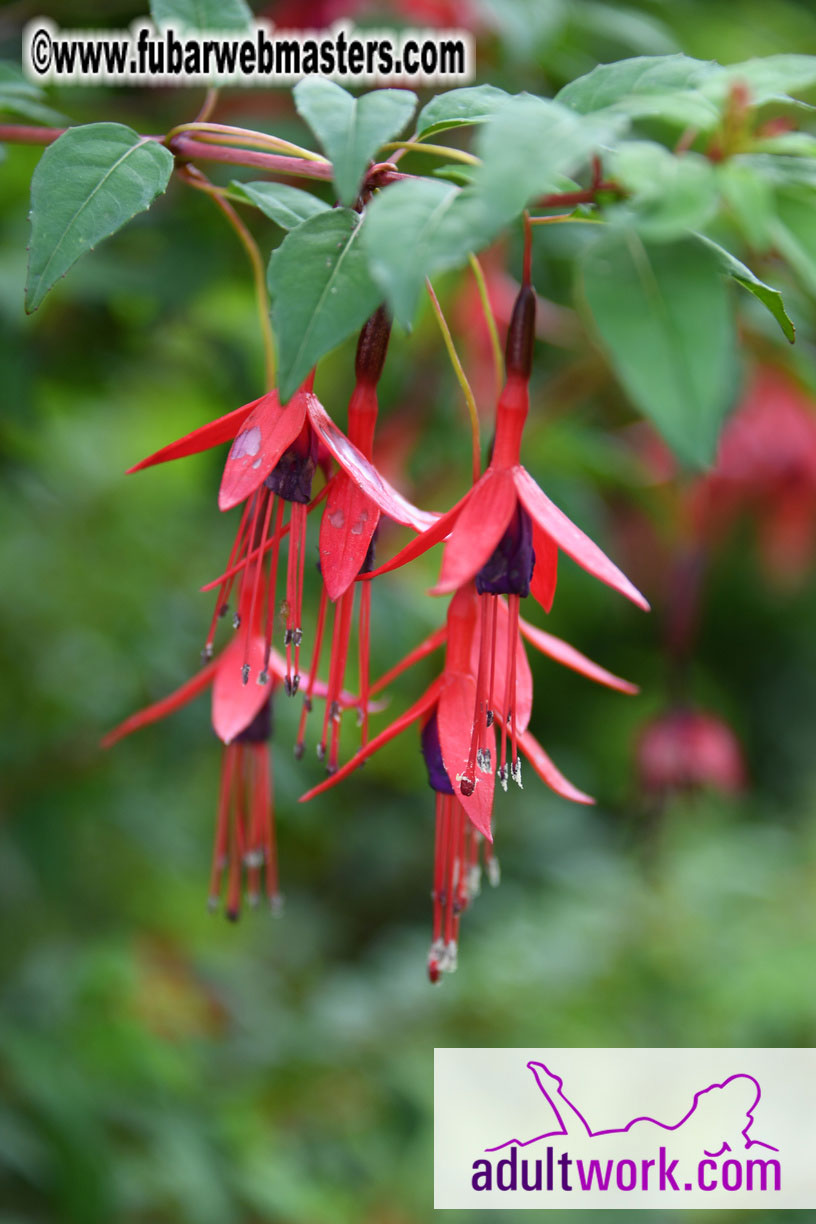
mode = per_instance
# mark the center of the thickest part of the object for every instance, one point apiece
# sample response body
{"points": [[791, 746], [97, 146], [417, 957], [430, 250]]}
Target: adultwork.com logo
{"points": [[712, 1146], [651, 1128]]}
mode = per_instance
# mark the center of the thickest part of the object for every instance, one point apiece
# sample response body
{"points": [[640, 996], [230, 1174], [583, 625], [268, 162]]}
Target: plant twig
{"points": [[461, 378], [418, 146], [220, 133], [490, 320], [198, 180]]}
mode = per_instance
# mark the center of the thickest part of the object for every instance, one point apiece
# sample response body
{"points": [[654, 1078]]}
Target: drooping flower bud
{"points": [[520, 334], [372, 347]]}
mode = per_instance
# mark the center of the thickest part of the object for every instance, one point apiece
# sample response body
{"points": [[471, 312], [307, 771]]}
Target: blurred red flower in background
{"points": [[686, 749]]}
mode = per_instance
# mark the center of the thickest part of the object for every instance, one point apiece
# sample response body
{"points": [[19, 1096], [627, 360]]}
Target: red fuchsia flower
{"points": [[687, 749], [505, 534], [348, 533], [445, 714], [242, 719], [273, 458], [767, 466]]}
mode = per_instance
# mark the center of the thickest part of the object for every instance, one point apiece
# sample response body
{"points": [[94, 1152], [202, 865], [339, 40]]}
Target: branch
{"points": [[188, 149]]}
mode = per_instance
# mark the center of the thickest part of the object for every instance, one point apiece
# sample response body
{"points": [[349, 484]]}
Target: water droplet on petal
{"points": [[246, 444]]}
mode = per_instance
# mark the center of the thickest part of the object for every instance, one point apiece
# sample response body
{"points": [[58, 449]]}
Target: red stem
{"points": [[189, 149]]}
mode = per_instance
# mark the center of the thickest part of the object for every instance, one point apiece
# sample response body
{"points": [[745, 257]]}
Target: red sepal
{"points": [[207, 436], [570, 539], [349, 521], [267, 432], [478, 529]]}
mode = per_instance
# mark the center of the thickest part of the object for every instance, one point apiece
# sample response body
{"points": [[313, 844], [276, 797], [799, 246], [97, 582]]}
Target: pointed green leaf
{"points": [[748, 195], [663, 86], [416, 228], [287, 206], [215, 15], [460, 107], [665, 320], [87, 185], [770, 298], [351, 130], [20, 97], [668, 195], [321, 292], [794, 234], [527, 146], [769, 78]]}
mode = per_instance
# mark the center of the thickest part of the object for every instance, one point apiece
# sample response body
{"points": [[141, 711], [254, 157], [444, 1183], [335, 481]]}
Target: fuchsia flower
{"points": [[242, 719], [767, 465], [272, 461], [445, 713], [687, 749], [505, 534], [348, 532]]}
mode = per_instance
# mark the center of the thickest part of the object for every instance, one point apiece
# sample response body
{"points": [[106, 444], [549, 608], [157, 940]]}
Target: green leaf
{"points": [[419, 227], [321, 292], [287, 206], [748, 194], [215, 15], [457, 172], [416, 228], [526, 26], [663, 86], [460, 107], [793, 146], [351, 130], [771, 78], [526, 146], [664, 317], [668, 195], [87, 185], [794, 234], [20, 97], [622, 27], [770, 298], [779, 169]]}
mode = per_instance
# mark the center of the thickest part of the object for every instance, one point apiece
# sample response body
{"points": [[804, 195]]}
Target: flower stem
{"points": [[461, 378], [220, 133], [198, 180], [418, 146], [527, 266], [208, 105], [490, 320]]}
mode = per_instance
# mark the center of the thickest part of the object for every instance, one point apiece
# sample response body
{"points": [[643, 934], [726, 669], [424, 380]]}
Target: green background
{"points": [[157, 1063]]}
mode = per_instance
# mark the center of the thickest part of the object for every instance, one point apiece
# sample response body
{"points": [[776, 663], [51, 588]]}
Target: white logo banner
{"points": [[625, 1128]]}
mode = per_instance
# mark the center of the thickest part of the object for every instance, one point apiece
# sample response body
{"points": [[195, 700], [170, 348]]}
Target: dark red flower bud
{"points": [[372, 347], [520, 334]]}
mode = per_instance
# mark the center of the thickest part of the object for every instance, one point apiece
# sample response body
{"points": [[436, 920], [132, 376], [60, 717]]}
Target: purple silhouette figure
{"points": [[738, 1095]]}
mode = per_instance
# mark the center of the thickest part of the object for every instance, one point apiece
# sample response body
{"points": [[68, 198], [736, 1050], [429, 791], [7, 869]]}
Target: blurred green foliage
{"points": [[157, 1064]]}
